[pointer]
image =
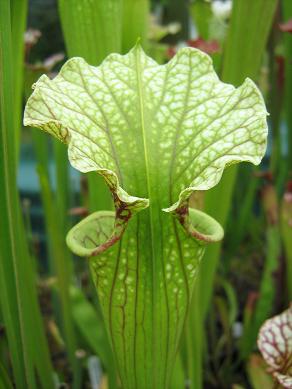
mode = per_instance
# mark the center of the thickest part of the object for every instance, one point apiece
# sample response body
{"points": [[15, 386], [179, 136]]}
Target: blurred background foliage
{"points": [[242, 282]]}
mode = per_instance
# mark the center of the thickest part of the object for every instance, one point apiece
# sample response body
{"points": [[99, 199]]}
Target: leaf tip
{"points": [[138, 46]]}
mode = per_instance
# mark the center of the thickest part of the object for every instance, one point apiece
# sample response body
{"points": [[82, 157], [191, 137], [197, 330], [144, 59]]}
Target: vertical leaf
{"points": [[264, 304], [18, 24], [201, 14], [56, 213], [5, 382], [287, 14], [286, 231], [18, 297], [135, 23], [243, 54], [92, 29], [61, 260], [86, 320], [237, 64]]}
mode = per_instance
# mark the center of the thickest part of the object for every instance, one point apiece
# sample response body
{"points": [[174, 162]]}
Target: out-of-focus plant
{"points": [[158, 31], [236, 65], [257, 373], [287, 38], [275, 344], [264, 302], [286, 232], [20, 313], [55, 204], [143, 260]]}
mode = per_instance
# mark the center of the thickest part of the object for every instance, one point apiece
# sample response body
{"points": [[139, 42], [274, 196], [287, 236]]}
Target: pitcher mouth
{"points": [[94, 234], [203, 227]]}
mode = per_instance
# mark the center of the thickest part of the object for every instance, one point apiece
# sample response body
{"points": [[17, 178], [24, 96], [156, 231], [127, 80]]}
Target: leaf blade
{"points": [[196, 121]]}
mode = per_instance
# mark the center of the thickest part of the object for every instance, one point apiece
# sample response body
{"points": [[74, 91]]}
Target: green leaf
{"points": [[267, 293], [135, 20], [18, 296], [4, 378], [243, 53], [257, 373], [130, 106], [285, 230], [201, 14], [156, 134], [92, 29], [86, 319]]}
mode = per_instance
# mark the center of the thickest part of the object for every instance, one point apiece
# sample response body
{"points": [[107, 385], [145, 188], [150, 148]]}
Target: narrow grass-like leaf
{"points": [[244, 209], [17, 279], [86, 320], [257, 312], [91, 29], [56, 213], [5, 382], [263, 307], [61, 261], [286, 229], [201, 13], [237, 64], [287, 15], [178, 379], [286, 210], [18, 25], [135, 20]]}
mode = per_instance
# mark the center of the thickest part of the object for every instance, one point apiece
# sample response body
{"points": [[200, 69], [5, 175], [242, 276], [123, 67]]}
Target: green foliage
{"points": [[18, 297], [238, 63], [202, 14], [92, 30], [55, 206], [251, 272], [4, 378], [257, 371], [170, 111], [263, 307], [287, 15], [285, 220], [135, 18], [86, 320], [71, 108]]}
